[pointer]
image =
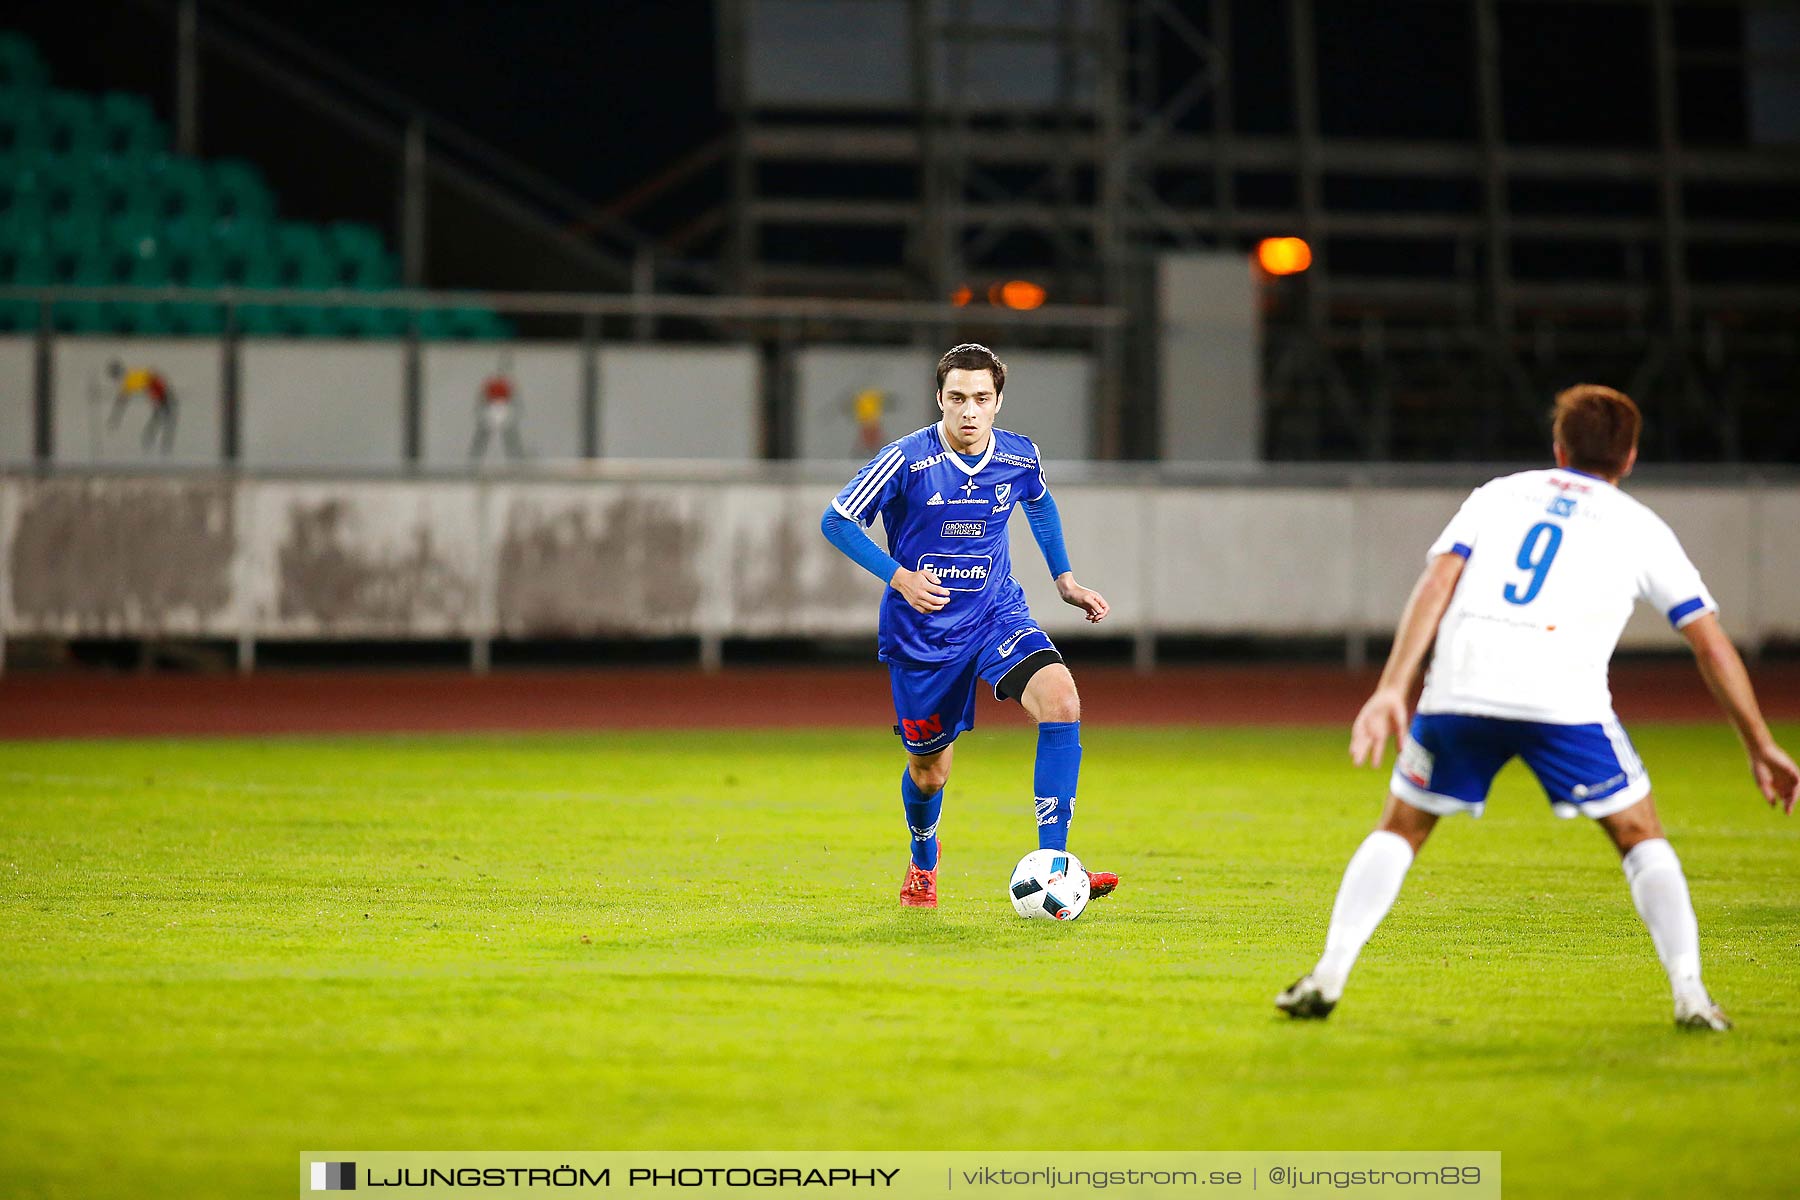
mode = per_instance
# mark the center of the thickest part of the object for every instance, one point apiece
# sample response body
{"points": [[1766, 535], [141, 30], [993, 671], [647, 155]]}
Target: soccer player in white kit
{"points": [[1525, 594]]}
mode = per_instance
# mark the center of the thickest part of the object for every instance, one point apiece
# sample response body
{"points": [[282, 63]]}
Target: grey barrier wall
{"points": [[545, 384], [1048, 398], [340, 405], [18, 375], [251, 558]]}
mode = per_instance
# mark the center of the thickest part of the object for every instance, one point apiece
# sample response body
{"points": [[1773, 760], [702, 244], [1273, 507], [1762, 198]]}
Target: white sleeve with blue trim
{"points": [[877, 483], [1668, 579], [1460, 534]]}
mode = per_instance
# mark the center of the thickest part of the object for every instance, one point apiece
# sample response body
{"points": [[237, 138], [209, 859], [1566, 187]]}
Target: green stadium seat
{"points": [[22, 127], [128, 127], [24, 230], [260, 320], [126, 185], [480, 324], [239, 192], [137, 236], [71, 124], [21, 68], [372, 322], [183, 189], [90, 196], [31, 267], [89, 268], [300, 249], [18, 316], [74, 233], [198, 266]]}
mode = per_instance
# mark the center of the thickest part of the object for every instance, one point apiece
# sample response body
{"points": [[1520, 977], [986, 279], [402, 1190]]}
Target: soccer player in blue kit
{"points": [[952, 614]]}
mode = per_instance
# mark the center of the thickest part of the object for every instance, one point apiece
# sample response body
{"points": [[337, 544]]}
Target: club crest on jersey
{"points": [[1001, 491]]}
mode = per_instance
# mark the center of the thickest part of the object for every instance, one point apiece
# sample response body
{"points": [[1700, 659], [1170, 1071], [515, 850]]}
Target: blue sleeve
{"points": [[847, 535], [1046, 527]]}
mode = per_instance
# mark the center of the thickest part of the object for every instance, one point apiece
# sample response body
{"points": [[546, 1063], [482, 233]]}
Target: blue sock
{"points": [[922, 820], [1053, 781]]}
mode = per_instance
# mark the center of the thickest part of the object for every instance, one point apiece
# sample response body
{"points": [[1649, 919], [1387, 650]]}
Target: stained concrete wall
{"points": [[136, 556]]}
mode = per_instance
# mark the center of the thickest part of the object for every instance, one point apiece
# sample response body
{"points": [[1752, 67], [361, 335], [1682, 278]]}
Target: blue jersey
{"points": [[943, 514]]}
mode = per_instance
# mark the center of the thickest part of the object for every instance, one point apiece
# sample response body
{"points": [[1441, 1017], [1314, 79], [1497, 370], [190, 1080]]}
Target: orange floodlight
{"points": [[961, 296], [1021, 294], [1283, 255]]}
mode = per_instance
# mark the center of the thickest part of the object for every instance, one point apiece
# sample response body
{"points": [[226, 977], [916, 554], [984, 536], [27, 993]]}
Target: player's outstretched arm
{"points": [[1723, 669], [1046, 527], [1383, 715]]}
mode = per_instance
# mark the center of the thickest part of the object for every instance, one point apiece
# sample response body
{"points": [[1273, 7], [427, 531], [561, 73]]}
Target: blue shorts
{"points": [[936, 701], [1449, 760]]}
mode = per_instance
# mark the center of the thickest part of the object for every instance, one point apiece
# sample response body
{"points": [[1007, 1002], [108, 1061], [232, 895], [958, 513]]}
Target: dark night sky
{"points": [[598, 93], [602, 93]]}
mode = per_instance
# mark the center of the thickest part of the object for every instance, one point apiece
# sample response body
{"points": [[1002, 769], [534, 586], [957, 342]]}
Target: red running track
{"points": [[65, 705]]}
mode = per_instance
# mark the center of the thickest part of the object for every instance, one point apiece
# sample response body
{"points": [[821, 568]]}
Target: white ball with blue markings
{"points": [[1049, 885]]}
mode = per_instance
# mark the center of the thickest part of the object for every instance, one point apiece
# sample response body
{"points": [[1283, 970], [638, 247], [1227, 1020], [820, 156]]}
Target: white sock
{"points": [[1371, 882], [1660, 891]]}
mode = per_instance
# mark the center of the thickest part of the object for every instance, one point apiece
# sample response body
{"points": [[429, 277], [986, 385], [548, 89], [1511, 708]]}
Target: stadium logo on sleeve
{"points": [[334, 1177], [959, 572], [964, 529]]}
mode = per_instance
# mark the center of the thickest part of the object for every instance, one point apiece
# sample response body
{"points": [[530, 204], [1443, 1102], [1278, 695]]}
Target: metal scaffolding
{"points": [[1137, 150]]}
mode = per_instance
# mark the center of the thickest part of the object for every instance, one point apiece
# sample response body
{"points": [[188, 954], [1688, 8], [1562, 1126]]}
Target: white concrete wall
{"points": [[125, 556]]}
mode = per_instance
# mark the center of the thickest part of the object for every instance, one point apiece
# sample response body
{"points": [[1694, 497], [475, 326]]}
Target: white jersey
{"points": [[1555, 561]]}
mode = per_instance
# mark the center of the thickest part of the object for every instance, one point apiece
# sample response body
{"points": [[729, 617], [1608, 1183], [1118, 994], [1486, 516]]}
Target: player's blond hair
{"points": [[1597, 427]]}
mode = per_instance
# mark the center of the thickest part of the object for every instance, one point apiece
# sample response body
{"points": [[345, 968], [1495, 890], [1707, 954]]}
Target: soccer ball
{"points": [[1050, 885]]}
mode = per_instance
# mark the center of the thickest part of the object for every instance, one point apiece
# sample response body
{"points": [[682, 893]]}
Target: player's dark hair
{"points": [[972, 356], [1598, 428]]}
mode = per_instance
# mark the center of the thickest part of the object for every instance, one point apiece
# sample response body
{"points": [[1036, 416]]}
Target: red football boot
{"points": [[920, 888], [1101, 882]]}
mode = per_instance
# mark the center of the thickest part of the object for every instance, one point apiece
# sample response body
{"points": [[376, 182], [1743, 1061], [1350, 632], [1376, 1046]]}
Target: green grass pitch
{"points": [[219, 953]]}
